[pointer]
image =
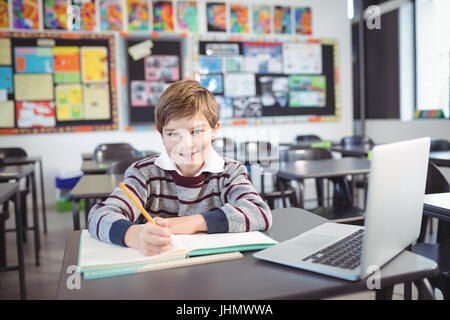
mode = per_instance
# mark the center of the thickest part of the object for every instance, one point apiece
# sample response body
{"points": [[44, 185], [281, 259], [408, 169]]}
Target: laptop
{"points": [[392, 219]]}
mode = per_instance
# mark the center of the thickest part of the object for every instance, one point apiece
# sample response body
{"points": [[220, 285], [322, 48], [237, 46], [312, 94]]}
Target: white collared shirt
{"points": [[214, 163]]}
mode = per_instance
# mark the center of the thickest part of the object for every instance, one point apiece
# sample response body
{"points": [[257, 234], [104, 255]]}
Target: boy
{"points": [[189, 187]]}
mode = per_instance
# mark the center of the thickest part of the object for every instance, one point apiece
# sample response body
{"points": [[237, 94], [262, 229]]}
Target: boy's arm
{"points": [[244, 209], [109, 220]]}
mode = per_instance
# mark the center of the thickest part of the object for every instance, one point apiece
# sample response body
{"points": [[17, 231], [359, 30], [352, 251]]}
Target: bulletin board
{"points": [[257, 81], [57, 82], [152, 65]]}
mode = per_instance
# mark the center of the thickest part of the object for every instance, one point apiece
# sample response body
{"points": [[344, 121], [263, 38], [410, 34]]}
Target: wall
{"points": [[63, 151]]}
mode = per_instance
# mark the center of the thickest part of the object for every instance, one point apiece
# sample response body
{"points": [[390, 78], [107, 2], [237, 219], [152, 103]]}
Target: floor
{"points": [[41, 281]]}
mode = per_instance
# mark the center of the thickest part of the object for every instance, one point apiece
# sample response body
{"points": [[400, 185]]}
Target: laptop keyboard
{"points": [[345, 253]]}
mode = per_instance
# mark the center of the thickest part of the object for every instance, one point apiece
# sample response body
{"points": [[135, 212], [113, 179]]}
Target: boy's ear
{"points": [[215, 130]]}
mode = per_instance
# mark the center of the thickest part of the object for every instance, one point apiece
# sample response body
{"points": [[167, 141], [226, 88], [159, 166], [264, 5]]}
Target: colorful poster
{"points": [[262, 57], [35, 114], [66, 61], [6, 114], [25, 14], [4, 14], [261, 19], [162, 68], [96, 104], [274, 90], [94, 61], [145, 93], [239, 85], [6, 79], [307, 91], [187, 14], [33, 59], [302, 58], [69, 99], [212, 82], [216, 16], [138, 13], [247, 107], [55, 14], [233, 64], [162, 16], [33, 87], [222, 49], [225, 107], [111, 15], [282, 20], [210, 64], [239, 18], [5, 52], [87, 13], [303, 21]]}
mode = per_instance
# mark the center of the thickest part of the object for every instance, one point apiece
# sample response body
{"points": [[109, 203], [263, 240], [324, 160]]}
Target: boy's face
{"points": [[188, 141]]}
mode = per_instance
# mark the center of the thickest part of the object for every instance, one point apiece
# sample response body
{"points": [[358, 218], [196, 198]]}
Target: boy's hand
{"points": [[187, 224], [150, 239]]}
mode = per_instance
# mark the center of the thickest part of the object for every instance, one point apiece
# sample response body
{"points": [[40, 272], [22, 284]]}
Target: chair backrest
{"points": [[113, 154], [260, 147], [224, 146], [439, 145], [12, 152], [307, 138], [119, 167], [356, 141], [305, 154], [115, 146], [436, 182]]}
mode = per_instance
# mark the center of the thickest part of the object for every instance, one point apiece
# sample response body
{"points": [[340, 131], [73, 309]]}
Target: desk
{"points": [[7, 191], [441, 158], [90, 155], [352, 151], [247, 278], [437, 205], [16, 173], [305, 169], [91, 187], [92, 167], [33, 160]]}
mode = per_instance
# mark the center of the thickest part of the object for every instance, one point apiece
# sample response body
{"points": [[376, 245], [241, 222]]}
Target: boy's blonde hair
{"points": [[184, 99]]}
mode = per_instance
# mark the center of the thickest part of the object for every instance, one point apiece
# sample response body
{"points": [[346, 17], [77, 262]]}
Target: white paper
{"points": [[239, 85], [302, 58]]}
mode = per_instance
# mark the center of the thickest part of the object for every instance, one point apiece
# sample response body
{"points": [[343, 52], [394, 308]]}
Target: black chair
{"points": [[226, 147], [115, 152], [307, 138], [17, 152], [440, 251], [342, 209], [119, 167], [439, 145], [352, 141]]}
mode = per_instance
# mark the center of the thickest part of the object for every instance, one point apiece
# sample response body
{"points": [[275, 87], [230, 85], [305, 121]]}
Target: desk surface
{"points": [[304, 169], [352, 151], [21, 160], [7, 190], [441, 158], [96, 186], [15, 171], [437, 205], [246, 278]]}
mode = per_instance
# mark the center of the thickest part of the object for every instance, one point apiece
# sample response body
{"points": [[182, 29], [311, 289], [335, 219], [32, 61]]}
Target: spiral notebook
{"points": [[98, 259]]}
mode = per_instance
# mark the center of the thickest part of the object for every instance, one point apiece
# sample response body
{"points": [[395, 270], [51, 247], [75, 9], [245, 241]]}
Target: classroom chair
{"points": [[342, 209], [16, 152], [439, 145], [356, 141], [226, 147], [119, 167], [307, 138], [439, 251], [115, 152]]}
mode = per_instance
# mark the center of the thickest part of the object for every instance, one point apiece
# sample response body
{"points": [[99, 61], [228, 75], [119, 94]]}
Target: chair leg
{"points": [[24, 210], [2, 244]]}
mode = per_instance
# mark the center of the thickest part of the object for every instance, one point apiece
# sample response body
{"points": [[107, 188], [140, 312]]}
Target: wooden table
{"points": [[247, 278]]}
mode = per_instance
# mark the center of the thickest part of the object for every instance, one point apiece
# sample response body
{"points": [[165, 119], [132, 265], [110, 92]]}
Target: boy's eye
{"points": [[173, 134], [197, 131]]}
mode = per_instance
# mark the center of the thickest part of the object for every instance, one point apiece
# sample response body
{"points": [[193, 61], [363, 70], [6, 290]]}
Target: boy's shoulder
{"points": [[232, 164], [145, 162]]}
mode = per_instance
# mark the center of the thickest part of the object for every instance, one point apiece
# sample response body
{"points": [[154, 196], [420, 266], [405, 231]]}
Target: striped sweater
{"points": [[227, 200]]}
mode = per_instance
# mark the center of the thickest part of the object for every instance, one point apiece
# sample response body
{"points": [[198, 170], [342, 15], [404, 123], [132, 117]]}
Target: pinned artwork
{"points": [[111, 15], [303, 21], [239, 18], [216, 16], [282, 20], [94, 61], [66, 62], [35, 114], [4, 14], [33, 59], [187, 14], [87, 11], [261, 19], [138, 14], [162, 16], [55, 14], [25, 14]]}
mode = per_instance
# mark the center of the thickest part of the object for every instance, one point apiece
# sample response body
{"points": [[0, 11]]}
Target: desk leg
{"points": [[425, 289], [76, 214], [18, 214], [44, 213], [37, 244], [301, 187], [384, 294], [87, 208]]}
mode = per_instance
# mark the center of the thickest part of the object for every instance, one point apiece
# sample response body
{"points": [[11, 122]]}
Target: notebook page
{"points": [[95, 253], [220, 240]]}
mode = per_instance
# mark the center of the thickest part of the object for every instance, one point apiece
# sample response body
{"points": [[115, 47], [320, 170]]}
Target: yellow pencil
{"points": [[136, 203]]}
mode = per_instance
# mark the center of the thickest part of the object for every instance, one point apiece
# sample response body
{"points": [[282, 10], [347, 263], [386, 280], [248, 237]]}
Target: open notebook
{"points": [[97, 259]]}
